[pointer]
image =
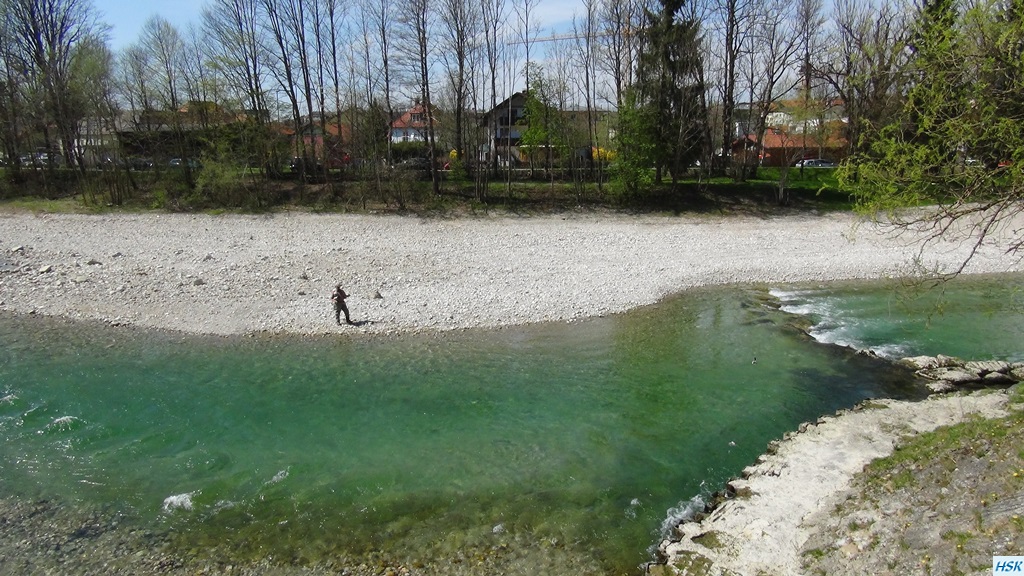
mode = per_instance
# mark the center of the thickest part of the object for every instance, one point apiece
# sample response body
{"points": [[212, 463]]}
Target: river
{"points": [[556, 448]]}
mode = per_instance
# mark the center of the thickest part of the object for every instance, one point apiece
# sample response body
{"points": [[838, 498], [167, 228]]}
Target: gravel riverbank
{"points": [[245, 274], [248, 274]]}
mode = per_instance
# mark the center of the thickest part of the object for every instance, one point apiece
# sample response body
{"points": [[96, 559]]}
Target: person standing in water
{"points": [[339, 305]]}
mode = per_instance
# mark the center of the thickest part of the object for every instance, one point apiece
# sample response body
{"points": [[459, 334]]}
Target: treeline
{"points": [[654, 90]]}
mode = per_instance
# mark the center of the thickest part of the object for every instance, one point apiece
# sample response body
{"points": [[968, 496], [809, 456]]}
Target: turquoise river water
{"points": [[568, 447]]}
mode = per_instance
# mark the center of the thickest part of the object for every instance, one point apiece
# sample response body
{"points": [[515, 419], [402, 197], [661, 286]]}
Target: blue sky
{"points": [[127, 17]]}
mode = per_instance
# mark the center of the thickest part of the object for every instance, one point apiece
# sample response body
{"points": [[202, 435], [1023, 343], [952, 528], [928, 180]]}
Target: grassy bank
{"points": [[944, 502], [211, 189]]}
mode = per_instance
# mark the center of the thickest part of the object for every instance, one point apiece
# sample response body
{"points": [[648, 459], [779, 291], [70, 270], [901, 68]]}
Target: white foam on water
{"points": [[830, 327], [631, 510], [787, 295], [179, 502], [278, 477], [224, 505], [892, 351], [803, 302], [682, 512], [61, 424], [804, 309], [828, 333]]}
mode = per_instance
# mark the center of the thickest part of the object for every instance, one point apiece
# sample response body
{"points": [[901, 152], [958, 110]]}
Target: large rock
{"points": [[920, 362], [941, 386], [948, 374], [988, 366], [930, 362], [999, 379], [959, 376], [740, 487]]}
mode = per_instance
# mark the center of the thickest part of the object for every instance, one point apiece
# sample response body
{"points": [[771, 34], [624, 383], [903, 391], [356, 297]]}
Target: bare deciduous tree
{"points": [[527, 30], [460, 28], [334, 12], [46, 35], [585, 32], [422, 21], [619, 23], [233, 28], [735, 18], [866, 61], [165, 48], [809, 21], [13, 106], [494, 13], [771, 57], [167, 55], [282, 68], [238, 53], [378, 13]]}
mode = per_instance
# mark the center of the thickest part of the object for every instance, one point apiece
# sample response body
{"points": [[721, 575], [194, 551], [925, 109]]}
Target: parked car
{"points": [[179, 163], [415, 163], [47, 158], [140, 164], [41, 159], [815, 163]]}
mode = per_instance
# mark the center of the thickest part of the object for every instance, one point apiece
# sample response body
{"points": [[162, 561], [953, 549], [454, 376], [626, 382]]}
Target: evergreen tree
{"points": [[663, 116]]}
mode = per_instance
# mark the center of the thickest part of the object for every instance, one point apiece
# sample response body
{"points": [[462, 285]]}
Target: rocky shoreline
{"points": [[949, 374], [769, 520]]}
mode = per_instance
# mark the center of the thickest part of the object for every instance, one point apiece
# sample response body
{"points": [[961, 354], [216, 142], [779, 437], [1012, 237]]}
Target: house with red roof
{"points": [[780, 147], [328, 141], [412, 125]]}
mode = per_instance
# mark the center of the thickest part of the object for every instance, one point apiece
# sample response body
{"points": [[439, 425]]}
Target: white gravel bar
{"points": [[246, 274]]}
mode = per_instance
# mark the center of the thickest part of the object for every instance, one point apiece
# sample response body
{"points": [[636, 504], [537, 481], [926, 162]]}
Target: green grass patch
{"points": [[815, 553], [225, 187], [38, 204], [960, 538], [692, 563], [709, 540], [942, 451]]}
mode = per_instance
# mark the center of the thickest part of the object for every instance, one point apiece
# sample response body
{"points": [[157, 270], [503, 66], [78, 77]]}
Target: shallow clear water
{"points": [[574, 441]]}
